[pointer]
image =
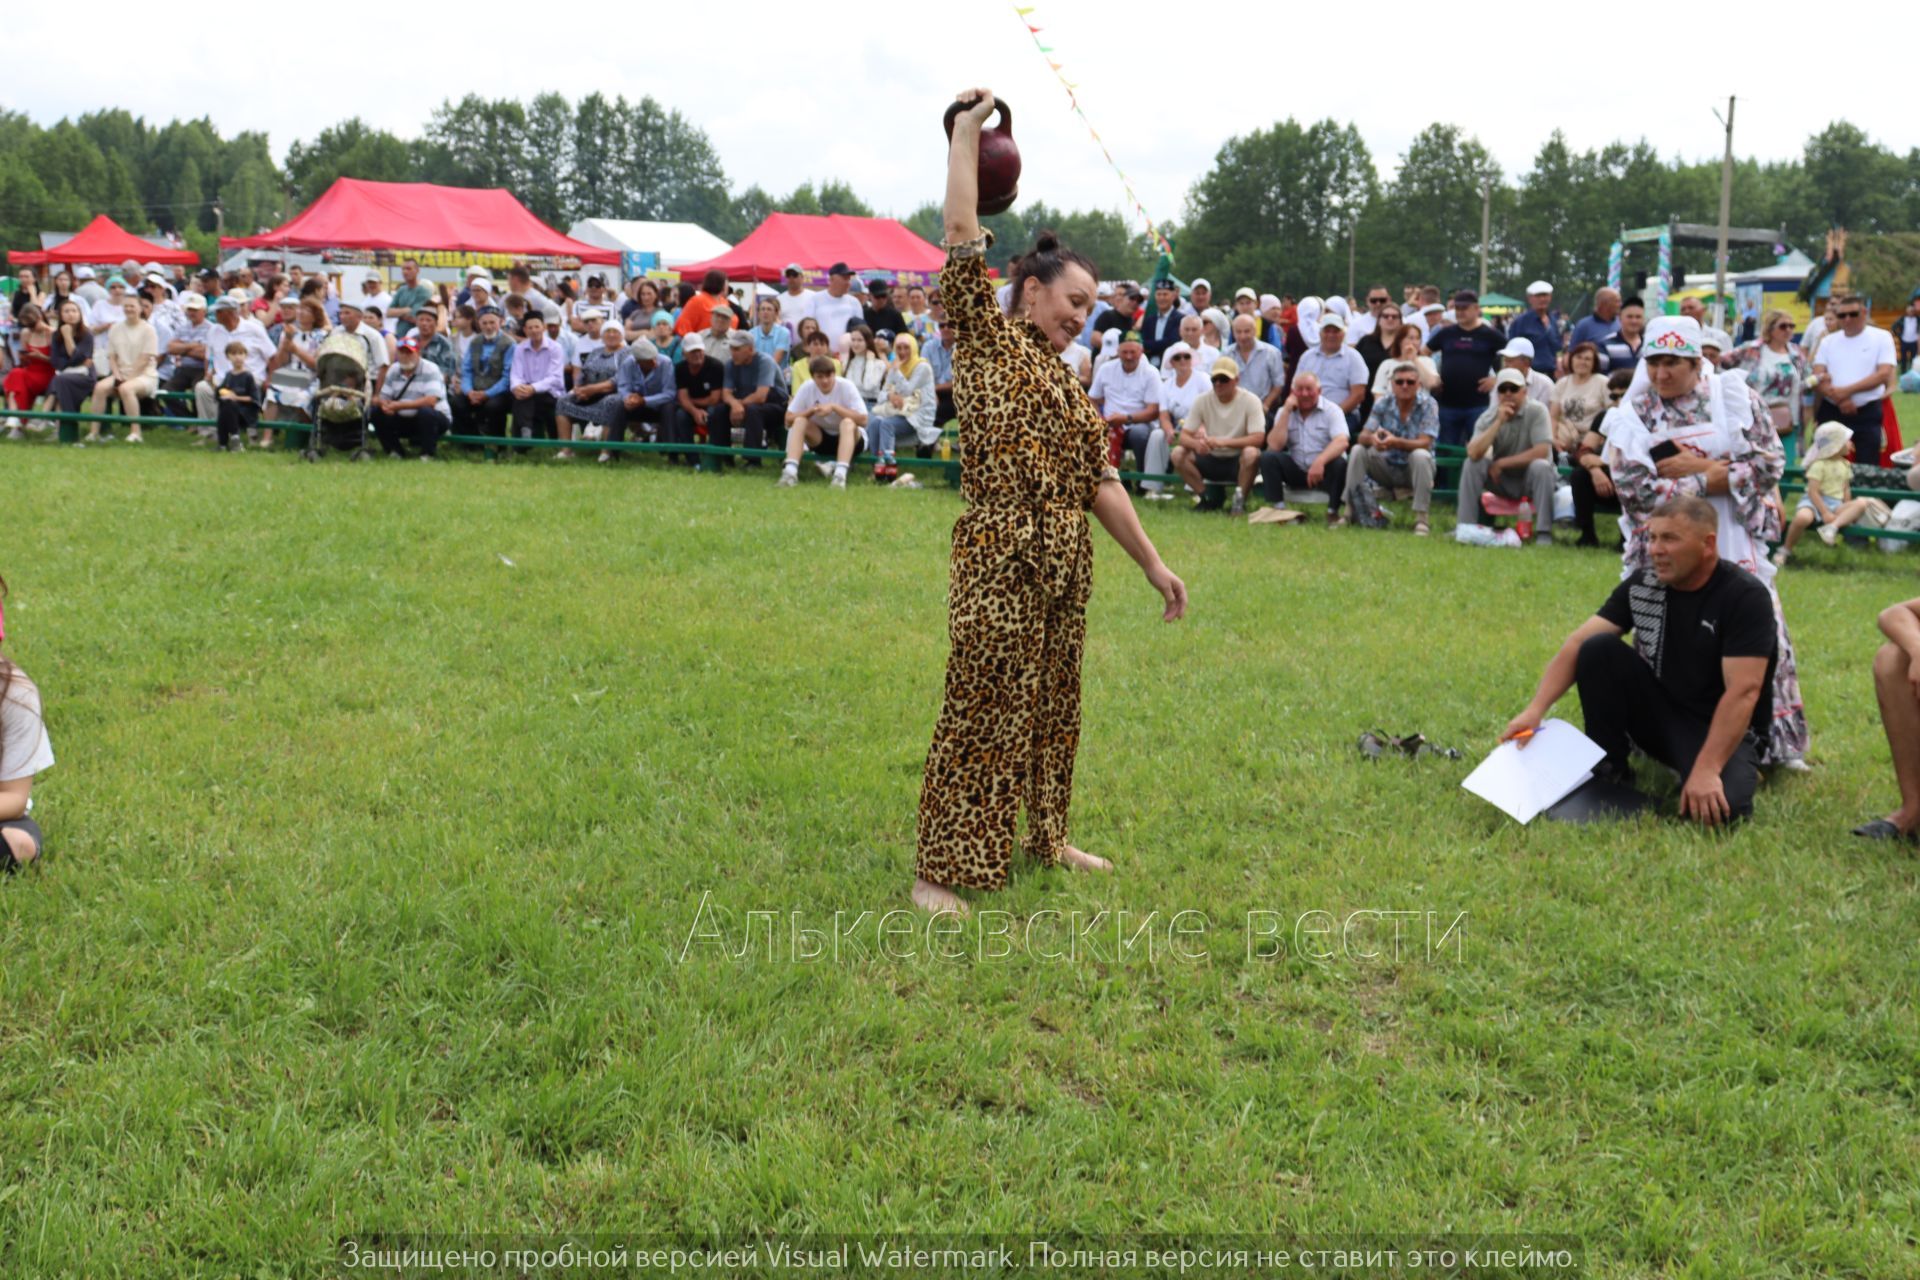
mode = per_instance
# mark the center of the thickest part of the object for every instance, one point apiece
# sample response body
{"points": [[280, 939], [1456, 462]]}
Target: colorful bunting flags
{"points": [[1073, 100]]}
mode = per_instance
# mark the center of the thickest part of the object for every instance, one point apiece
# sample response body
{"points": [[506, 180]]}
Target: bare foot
{"points": [[1080, 860], [935, 898]]}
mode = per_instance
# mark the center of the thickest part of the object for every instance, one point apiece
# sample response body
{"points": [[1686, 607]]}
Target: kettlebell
{"points": [[999, 158]]}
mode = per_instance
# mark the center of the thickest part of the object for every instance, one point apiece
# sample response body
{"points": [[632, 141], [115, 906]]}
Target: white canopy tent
{"points": [[675, 242]]}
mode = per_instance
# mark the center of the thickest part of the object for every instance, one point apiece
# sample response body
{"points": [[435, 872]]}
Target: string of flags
{"points": [[1025, 13]]}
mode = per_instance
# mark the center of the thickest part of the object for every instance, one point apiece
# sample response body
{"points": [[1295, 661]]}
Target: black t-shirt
{"points": [[1683, 635], [1111, 318], [706, 382], [887, 317], [1466, 356]]}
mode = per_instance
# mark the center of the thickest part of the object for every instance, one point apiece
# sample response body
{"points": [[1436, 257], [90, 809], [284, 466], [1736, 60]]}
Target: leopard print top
{"points": [[1034, 451]]}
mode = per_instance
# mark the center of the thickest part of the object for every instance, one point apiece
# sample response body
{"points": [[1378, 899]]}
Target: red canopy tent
{"points": [[379, 222], [816, 243], [104, 240]]}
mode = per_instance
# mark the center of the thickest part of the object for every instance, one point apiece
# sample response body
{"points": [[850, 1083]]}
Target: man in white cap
{"points": [[231, 324], [86, 286], [1543, 327], [647, 394], [1508, 455], [1199, 296], [1341, 371], [188, 345], [1519, 354], [1246, 302]]}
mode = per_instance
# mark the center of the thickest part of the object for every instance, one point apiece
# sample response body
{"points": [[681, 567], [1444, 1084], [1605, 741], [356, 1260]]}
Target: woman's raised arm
{"points": [[963, 166]]}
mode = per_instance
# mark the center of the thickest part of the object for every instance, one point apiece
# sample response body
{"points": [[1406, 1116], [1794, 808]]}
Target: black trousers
{"points": [[183, 378], [1865, 423], [1277, 468], [653, 415], [1586, 502], [235, 418], [1624, 704], [681, 429], [759, 422], [424, 428], [488, 418], [533, 417]]}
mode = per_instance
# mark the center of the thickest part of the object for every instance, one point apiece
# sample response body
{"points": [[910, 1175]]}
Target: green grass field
{"points": [[374, 859]]}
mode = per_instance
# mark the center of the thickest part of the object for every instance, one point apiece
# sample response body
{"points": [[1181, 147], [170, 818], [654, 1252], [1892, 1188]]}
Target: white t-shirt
{"points": [[795, 309], [1178, 400], [843, 397], [1850, 359], [24, 746], [833, 315], [1121, 392], [1077, 358], [1539, 389], [1810, 339]]}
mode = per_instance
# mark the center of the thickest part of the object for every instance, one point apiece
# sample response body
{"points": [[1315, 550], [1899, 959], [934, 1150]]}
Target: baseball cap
{"points": [[1104, 291], [191, 301], [1224, 368], [83, 273], [349, 304], [839, 269], [793, 269], [1718, 339], [1432, 309], [223, 303], [879, 284], [1334, 320], [1510, 378], [1539, 286], [722, 310], [739, 338], [1245, 292], [409, 343], [1517, 347], [643, 349], [1202, 283], [1465, 298]]}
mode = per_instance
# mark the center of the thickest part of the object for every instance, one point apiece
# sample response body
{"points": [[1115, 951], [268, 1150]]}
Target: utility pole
{"points": [[219, 233], [1726, 213], [1353, 234], [1486, 225]]}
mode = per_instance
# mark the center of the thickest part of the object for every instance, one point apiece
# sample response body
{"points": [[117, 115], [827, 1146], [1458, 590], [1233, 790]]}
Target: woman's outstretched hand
{"points": [[1171, 589]]}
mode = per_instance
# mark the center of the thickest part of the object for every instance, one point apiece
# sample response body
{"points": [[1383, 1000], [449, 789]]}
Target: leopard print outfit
{"points": [[1034, 455]]}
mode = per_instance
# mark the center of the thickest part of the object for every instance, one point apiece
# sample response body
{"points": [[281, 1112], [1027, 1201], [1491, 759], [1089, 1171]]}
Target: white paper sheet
{"points": [[1521, 781]]}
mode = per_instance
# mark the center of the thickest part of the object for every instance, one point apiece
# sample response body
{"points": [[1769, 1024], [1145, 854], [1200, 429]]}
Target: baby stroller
{"points": [[339, 405]]}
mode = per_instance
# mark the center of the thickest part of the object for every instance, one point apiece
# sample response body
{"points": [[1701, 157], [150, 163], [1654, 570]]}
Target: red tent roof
{"points": [[816, 243], [104, 240], [357, 214]]}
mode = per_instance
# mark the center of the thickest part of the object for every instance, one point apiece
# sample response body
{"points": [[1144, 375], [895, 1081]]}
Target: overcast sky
{"points": [[871, 81]]}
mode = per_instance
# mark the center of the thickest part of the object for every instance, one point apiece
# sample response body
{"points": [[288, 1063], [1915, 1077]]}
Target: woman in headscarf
{"points": [[906, 404], [592, 400], [1683, 430]]}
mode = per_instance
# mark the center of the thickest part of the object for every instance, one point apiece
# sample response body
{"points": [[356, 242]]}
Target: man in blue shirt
{"points": [[1395, 448], [644, 383], [1599, 327], [939, 353], [1544, 327], [481, 407]]}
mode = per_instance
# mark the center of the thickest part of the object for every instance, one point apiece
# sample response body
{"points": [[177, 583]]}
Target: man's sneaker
{"points": [[15, 433], [788, 478], [563, 455], [839, 479], [1335, 520], [606, 455], [1829, 534], [1239, 507], [825, 469]]}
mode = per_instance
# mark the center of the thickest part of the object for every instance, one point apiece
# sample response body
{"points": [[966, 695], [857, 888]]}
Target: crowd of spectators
{"points": [[1313, 394]]}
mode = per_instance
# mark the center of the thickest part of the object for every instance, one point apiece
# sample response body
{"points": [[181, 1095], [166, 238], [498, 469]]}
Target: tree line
{"points": [[1286, 207]]}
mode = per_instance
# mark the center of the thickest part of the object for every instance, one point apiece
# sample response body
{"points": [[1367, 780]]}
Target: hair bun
{"points": [[1046, 242]]}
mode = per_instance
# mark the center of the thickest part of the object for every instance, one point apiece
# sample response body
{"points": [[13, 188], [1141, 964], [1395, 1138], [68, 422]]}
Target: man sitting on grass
{"points": [[1695, 689], [1508, 454], [828, 417]]}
